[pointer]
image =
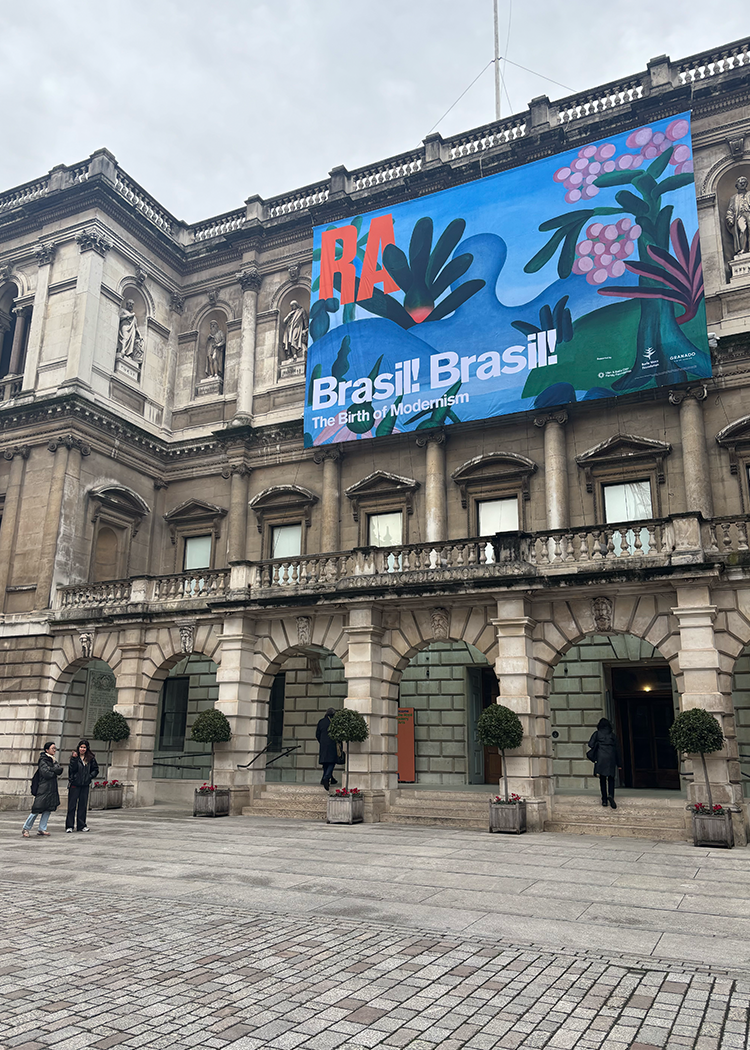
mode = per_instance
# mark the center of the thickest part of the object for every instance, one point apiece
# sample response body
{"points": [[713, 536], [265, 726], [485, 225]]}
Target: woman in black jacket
{"points": [[327, 750], [604, 752], [82, 769], [47, 797]]}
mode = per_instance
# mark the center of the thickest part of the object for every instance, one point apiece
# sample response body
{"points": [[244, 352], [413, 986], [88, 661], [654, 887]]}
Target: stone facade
{"points": [[151, 442]]}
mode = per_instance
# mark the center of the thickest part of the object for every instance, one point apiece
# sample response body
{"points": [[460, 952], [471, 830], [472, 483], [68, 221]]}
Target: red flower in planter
{"points": [[206, 789], [114, 783], [499, 800], [344, 792]]}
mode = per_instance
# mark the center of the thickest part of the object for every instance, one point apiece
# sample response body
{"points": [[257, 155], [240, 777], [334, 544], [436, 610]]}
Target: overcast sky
{"points": [[205, 104]]}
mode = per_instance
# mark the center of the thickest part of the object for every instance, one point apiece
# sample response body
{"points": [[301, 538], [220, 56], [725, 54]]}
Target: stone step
{"points": [[434, 820], [622, 830]]}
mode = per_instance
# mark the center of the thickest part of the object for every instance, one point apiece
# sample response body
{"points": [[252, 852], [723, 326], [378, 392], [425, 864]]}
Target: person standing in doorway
{"points": [[328, 751], [82, 769], [47, 797], [604, 752]]}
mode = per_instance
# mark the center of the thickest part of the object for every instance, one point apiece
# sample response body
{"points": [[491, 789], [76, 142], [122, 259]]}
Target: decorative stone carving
{"points": [[187, 637], [304, 630], [602, 610], [129, 339], [93, 241], [177, 302], [215, 345], [86, 638], [250, 279], [140, 275], [294, 273], [431, 437], [213, 296], [334, 452], [676, 397], [69, 442], [44, 254], [18, 450], [736, 147], [552, 417], [738, 217], [439, 621], [294, 338]]}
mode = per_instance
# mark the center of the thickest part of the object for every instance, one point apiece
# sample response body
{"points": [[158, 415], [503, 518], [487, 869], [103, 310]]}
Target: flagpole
{"points": [[497, 63]]}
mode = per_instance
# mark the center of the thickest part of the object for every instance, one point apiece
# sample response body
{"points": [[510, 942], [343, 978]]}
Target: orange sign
{"points": [[406, 769]]}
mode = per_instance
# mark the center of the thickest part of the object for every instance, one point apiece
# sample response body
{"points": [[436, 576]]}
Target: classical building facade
{"points": [[167, 543]]}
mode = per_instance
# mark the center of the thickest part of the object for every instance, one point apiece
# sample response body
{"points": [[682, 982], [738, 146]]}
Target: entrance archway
{"points": [[447, 685], [627, 680], [189, 688], [91, 692]]}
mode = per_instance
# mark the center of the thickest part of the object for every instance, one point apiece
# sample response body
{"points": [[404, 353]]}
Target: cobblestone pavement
{"points": [[138, 935]]}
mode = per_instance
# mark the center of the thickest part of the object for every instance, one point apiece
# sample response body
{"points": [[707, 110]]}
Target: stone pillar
{"points": [[436, 509], [529, 766], [45, 254], [373, 765], [556, 493], [330, 507], [156, 533], [695, 468], [250, 282], [9, 521], [700, 666], [246, 706], [176, 307], [237, 525], [93, 247], [133, 759], [19, 341]]}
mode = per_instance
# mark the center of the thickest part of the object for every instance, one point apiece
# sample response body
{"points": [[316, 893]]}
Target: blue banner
{"points": [[576, 277]]}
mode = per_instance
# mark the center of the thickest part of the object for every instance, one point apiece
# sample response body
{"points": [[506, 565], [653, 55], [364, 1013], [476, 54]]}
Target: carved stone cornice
{"points": [[250, 278], [23, 451], [240, 469], [69, 441], [431, 437], [93, 241], [700, 393], [44, 254], [560, 417]]}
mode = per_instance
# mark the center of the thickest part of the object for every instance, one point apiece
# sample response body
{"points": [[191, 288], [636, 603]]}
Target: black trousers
{"points": [[78, 800], [328, 768], [607, 784]]}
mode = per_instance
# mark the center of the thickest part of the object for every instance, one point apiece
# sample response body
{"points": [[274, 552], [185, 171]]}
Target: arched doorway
{"points": [[189, 688], [91, 692], [627, 680], [305, 683], [447, 685]]}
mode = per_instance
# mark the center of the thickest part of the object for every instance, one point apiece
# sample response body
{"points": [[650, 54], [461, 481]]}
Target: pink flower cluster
{"points": [[653, 143], [603, 252]]}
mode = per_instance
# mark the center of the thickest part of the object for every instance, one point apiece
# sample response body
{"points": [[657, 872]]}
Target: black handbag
{"points": [[340, 755], [592, 753]]}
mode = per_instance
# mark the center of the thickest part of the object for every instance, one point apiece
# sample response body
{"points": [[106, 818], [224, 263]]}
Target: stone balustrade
{"points": [[580, 552]]}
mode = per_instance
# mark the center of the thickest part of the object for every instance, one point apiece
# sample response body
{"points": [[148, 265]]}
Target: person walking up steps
{"points": [[82, 769], [604, 752], [328, 752], [47, 797]]}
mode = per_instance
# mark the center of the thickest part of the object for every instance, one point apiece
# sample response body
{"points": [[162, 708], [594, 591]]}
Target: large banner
{"points": [[576, 277]]}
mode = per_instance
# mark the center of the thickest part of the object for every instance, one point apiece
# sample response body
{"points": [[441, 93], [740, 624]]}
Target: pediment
{"points": [[281, 501], [491, 469], [194, 510], [621, 449], [735, 437], [120, 499], [382, 485]]}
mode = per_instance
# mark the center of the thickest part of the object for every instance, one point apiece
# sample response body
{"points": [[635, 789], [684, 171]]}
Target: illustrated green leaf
{"points": [[657, 167], [568, 254], [386, 306], [646, 185], [631, 203], [544, 255], [315, 374], [676, 182], [439, 413], [570, 218], [456, 298], [386, 425], [341, 364], [447, 241], [661, 228], [419, 247], [450, 274], [397, 266], [361, 426], [615, 178], [524, 327], [545, 318]]}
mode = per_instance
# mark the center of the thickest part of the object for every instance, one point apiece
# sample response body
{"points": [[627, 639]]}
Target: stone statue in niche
{"points": [[129, 339], [294, 339], [215, 345], [738, 217]]}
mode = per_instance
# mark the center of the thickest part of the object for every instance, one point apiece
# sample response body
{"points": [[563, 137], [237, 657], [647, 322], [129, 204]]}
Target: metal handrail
{"points": [[282, 754], [180, 759]]}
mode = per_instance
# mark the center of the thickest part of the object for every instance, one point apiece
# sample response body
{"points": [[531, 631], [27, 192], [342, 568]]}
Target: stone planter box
{"points": [[345, 809], [106, 797], [510, 819], [211, 803], [712, 829]]}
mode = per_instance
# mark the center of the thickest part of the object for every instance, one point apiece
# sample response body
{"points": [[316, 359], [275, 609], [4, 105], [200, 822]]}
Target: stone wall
{"points": [[741, 701]]}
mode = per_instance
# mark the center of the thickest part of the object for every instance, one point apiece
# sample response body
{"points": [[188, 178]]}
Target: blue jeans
{"points": [[328, 768], [42, 823]]}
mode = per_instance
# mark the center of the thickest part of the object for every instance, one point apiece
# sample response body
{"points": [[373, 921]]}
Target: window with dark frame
{"points": [[276, 713], [174, 708]]}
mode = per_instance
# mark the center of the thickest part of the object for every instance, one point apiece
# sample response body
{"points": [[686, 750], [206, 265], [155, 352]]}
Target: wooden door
{"points": [[649, 758]]}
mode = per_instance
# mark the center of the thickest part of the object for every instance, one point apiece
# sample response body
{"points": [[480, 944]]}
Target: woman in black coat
{"points": [[327, 751], [82, 769], [604, 752], [47, 798]]}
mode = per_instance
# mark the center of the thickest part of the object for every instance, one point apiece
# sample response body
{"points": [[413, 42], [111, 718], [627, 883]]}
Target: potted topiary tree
{"points": [[499, 727], [345, 806], [111, 727], [697, 732], [211, 727]]}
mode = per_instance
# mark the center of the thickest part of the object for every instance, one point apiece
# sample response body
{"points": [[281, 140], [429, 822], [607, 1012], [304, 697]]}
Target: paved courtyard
{"points": [[163, 931]]}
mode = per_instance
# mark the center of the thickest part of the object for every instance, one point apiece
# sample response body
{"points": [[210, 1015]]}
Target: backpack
{"points": [[35, 783]]}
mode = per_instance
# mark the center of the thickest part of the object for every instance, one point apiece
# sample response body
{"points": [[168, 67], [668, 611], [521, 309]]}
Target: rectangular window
{"points": [[386, 530], [197, 552], [286, 541], [630, 501], [174, 707], [496, 515], [276, 713]]}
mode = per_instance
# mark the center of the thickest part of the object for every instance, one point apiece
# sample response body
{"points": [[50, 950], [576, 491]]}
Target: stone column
{"points": [[156, 533], [529, 766], [45, 254], [19, 340], [330, 507], [133, 759], [556, 493], [9, 521], [695, 468], [373, 765], [250, 282], [93, 246], [241, 701], [237, 525], [436, 509], [700, 666], [176, 307]]}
